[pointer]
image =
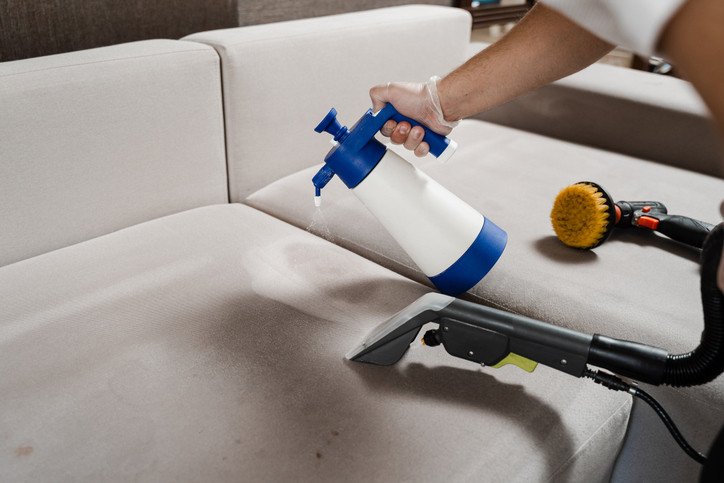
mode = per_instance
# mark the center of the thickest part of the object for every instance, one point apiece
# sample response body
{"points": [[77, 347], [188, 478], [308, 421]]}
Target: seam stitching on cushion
{"points": [[102, 61], [583, 446], [702, 401], [303, 34], [221, 99], [351, 242], [485, 300]]}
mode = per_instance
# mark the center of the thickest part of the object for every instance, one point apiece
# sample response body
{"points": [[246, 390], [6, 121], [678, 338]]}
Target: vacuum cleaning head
{"points": [[583, 215]]}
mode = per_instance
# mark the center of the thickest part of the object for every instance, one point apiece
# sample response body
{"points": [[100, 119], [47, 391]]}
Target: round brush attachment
{"points": [[583, 215]]}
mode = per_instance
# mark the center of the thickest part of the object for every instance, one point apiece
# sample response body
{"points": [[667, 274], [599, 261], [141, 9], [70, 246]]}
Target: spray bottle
{"points": [[453, 244]]}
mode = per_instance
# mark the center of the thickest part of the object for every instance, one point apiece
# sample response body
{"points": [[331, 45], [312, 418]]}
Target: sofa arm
{"points": [[622, 110], [281, 79]]}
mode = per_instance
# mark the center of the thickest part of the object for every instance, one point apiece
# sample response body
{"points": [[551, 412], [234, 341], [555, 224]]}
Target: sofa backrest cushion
{"points": [[281, 79], [98, 140]]}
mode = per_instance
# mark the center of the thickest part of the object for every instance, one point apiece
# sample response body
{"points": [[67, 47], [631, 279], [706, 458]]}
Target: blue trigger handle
{"points": [[437, 142]]}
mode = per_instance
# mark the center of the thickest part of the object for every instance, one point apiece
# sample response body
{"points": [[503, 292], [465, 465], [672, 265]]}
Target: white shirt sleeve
{"points": [[634, 24]]}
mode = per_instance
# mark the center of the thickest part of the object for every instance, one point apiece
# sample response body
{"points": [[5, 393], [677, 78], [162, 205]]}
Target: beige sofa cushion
{"points": [[637, 286], [281, 79], [209, 346], [99, 140]]}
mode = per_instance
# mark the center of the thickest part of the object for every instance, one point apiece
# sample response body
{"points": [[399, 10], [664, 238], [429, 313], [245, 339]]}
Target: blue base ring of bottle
{"points": [[475, 263]]}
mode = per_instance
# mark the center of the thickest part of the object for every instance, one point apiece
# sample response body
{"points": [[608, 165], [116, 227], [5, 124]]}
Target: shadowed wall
{"points": [[252, 12], [32, 28]]}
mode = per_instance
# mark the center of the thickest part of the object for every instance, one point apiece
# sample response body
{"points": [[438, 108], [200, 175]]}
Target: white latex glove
{"points": [[418, 101]]}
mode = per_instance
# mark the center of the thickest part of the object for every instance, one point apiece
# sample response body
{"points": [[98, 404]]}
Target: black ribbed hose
{"points": [[699, 366], [706, 362]]}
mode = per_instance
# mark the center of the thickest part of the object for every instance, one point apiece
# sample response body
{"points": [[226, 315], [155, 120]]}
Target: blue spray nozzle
{"points": [[320, 180], [356, 150]]}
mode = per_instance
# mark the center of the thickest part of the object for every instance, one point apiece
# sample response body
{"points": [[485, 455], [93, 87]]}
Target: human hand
{"points": [[418, 101]]}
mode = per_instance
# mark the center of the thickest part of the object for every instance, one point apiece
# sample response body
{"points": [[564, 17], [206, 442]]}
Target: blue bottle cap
{"points": [[357, 151]]}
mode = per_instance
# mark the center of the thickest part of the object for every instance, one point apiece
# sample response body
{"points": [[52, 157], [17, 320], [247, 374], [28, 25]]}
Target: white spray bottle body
{"points": [[451, 243], [432, 225]]}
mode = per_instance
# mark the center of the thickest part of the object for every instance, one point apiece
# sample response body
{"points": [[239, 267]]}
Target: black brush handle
{"points": [[684, 229]]}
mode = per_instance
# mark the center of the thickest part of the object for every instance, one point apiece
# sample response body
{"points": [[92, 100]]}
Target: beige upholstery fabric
{"points": [[281, 79], [637, 286], [99, 140], [209, 346]]}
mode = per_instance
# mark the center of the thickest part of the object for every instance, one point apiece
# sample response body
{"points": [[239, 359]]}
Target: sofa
{"points": [[174, 308]]}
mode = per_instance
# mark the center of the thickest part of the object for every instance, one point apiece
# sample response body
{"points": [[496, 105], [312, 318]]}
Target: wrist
{"points": [[447, 104], [435, 99]]}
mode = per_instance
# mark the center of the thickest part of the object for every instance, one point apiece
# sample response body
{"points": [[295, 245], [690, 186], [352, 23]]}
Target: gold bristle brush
{"points": [[584, 215]]}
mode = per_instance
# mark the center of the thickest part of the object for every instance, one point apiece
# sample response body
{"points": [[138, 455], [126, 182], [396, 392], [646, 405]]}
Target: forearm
{"points": [[545, 46], [694, 42]]}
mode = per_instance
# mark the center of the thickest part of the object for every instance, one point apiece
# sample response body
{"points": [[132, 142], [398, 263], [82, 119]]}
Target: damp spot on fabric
{"points": [[24, 450]]}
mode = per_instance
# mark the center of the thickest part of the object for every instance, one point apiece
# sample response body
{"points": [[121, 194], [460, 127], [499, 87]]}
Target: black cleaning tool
{"points": [[493, 338], [584, 215]]}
